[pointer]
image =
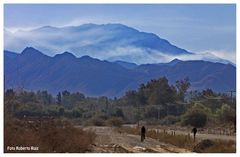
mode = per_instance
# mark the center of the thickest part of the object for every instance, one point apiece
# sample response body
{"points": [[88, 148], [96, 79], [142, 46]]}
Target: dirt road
{"points": [[199, 136], [109, 140]]}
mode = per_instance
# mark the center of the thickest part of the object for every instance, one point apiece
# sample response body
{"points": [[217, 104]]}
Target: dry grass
{"points": [[48, 134], [116, 122], [184, 141]]}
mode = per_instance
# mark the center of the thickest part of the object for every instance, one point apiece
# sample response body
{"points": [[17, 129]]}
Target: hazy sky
{"points": [[196, 28]]}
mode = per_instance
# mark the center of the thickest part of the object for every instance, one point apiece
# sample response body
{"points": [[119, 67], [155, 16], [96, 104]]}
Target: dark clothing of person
{"points": [[143, 131], [194, 131]]}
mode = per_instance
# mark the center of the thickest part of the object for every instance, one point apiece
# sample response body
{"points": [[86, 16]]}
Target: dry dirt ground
{"points": [[110, 141]]}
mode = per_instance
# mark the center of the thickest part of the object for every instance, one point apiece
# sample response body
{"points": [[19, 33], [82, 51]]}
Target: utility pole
{"points": [[232, 91], [138, 114], [167, 111]]}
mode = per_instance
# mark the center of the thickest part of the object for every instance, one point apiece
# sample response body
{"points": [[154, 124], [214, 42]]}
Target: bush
{"points": [[95, 122], [196, 116], [196, 119], [226, 114], [48, 134], [117, 122], [99, 119], [98, 122]]}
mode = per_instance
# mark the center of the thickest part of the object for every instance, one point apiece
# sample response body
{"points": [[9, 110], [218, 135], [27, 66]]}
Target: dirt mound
{"points": [[201, 146]]}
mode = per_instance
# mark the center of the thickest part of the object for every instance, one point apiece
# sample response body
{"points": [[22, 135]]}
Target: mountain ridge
{"points": [[96, 77]]}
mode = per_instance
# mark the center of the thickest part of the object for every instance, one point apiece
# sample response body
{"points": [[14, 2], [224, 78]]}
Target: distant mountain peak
{"points": [[31, 51], [88, 25], [86, 57], [46, 28], [116, 25], [65, 54], [89, 59], [174, 61]]}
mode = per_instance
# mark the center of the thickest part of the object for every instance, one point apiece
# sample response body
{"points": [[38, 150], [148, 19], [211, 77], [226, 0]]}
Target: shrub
{"points": [[95, 122], [48, 134], [99, 119], [226, 114], [98, 122], [195, 118], [117, 122]]}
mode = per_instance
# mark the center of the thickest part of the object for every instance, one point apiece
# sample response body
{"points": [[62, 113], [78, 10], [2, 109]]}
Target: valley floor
{"points": [[111, 140]]}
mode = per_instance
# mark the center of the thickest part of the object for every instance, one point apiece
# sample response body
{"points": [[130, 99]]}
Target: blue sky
{"points": [[196, 28]]}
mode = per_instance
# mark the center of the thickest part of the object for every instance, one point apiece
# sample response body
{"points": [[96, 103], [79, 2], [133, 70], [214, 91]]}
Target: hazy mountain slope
{"points": [[107, 42]]}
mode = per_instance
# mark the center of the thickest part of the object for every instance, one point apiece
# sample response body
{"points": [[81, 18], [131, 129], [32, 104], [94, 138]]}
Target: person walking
{"points": [[194, 131], [143, 132]]}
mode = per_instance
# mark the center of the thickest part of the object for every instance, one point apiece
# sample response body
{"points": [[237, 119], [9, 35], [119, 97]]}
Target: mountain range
{"points": [[34, 70], [110, 42]]}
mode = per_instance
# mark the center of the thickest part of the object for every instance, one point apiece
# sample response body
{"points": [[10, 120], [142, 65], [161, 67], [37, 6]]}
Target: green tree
{"points": [[44, 97], [196, 116], [59, 98], [77, 97], [10, 102], [182, 87], [66, 101], [227, 114], [119, 113], [159, 92], [208, 92], [142, 100], [131, 98]]}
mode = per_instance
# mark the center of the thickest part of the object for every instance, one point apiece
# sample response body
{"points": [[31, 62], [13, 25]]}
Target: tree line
{"points": [[154, 102]]}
